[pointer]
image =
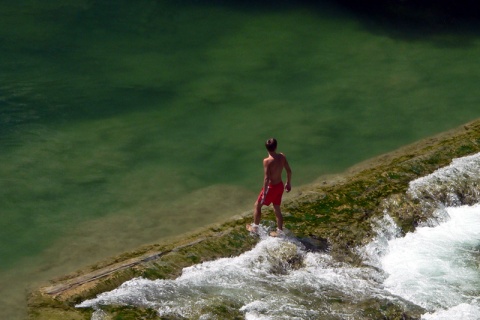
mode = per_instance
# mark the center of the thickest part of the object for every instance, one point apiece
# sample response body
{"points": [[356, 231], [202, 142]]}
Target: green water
{"points": [[128, 122]]}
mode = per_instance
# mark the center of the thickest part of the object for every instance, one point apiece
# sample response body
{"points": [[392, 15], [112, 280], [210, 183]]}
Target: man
{"points": [[273, 187]]}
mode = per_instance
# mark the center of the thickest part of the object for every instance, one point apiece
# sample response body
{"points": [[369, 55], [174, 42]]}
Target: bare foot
{"points": [[252, 229], [278, 233]]}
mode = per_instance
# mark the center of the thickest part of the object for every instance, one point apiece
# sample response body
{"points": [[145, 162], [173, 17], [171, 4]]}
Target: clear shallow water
{"points": [[124, 123]]}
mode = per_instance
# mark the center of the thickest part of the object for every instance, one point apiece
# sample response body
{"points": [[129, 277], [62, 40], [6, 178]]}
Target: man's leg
{"points": [[278, 215], [257, 213]]}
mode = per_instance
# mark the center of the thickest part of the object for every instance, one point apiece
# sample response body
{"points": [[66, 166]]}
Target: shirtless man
{"points": [[273, 167]]}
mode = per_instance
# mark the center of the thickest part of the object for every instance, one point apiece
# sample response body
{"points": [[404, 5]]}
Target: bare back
{"points": [[273, 167]]}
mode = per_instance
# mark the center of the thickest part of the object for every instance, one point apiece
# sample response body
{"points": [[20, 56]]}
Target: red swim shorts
{"points": [[274, 194]]}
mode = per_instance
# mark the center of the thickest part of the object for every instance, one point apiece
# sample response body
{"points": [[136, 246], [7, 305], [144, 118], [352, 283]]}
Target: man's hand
{"points": [[288, 187]]}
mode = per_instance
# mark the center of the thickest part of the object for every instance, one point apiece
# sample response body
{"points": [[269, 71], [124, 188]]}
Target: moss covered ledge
{"points": [[337, 210]]}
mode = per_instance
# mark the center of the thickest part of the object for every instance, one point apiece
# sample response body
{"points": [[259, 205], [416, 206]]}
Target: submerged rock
{"points": [[314, 244]]}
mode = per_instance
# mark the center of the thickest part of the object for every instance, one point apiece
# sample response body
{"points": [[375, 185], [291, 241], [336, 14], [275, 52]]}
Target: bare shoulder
{"points": [[285, 162]]}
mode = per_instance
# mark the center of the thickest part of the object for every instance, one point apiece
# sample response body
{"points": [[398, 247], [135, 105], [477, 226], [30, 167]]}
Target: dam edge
{"points": [[335, 210]]}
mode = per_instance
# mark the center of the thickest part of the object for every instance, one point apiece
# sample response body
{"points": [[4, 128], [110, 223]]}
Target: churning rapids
{"points": [[435, 269]]}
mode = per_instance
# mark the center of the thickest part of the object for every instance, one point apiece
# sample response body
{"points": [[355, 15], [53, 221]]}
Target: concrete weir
{"points": [[335, 213]]}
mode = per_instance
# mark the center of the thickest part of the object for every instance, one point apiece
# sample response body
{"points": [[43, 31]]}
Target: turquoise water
{"points": [[123, 123]]}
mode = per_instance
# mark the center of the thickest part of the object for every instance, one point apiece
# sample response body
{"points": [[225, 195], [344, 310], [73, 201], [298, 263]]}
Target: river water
{"points": [[436, 267], [124, 123]]}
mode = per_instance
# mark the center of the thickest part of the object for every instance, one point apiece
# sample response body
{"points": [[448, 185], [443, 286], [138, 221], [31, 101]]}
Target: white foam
{"points": [[463, 311], [437, 267], [462, 173], [277, 279]]}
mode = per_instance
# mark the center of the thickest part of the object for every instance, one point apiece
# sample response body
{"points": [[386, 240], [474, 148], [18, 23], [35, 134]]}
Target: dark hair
{"points": [[271, 144]]}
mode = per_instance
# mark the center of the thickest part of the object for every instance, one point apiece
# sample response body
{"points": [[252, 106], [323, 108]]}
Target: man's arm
{"points": [[288, 185], [266, 177]]}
